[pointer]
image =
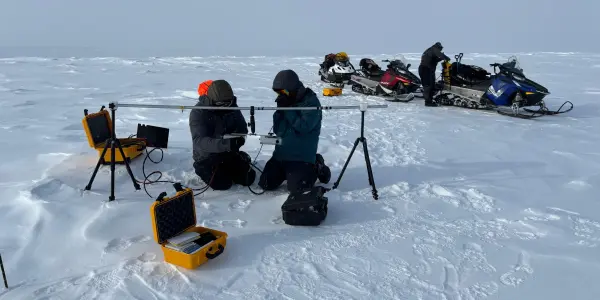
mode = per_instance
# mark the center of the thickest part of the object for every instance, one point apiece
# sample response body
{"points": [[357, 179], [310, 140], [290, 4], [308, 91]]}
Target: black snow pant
{"points": [[300, 176], [428, 80], [223, 170]]}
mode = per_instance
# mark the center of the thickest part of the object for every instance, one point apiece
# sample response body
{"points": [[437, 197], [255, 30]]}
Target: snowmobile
{"points": [[336, 69], [396, 83], [508, 91]]}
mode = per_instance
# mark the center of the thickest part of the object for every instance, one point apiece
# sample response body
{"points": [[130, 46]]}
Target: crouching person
{"points": [[218, 160], [295, 159]]}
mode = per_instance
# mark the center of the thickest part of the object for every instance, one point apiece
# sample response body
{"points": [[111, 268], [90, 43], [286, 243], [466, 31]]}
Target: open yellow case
{"points": [[175, 216], [98, 128]]}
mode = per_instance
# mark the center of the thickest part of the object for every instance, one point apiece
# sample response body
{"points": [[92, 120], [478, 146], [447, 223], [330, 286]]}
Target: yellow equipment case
{"points": [[98, 128], [332, 91], [175, 217]]}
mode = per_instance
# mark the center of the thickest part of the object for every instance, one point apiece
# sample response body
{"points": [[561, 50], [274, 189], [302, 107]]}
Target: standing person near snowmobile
{"points": [[217, 160], [295, 159], [429, 60]]}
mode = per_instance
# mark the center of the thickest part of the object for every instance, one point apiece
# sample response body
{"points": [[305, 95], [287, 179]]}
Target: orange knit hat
{"points": [[203, 87]]}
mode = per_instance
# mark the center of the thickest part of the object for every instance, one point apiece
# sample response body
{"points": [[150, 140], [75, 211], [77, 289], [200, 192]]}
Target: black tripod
{"points": [[367, 160], [114, 143]]}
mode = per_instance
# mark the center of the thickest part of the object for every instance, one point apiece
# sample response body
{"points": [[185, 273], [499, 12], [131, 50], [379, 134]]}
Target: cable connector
{"points": [[161, 196], [177, 186]]}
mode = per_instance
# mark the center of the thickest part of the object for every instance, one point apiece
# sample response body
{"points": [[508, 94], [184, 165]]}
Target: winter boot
{"points": [[431, 103], [323, 171]]}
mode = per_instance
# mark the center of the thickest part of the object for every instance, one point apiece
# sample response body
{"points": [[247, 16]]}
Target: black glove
{"points": [[285, 101], [236, 143]]}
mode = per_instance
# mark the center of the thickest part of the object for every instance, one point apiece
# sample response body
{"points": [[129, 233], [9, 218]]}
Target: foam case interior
{"points": [[174, 216], [99, 128]]}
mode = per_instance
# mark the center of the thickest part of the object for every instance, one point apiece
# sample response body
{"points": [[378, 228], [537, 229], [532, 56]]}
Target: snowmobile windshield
{"points": [[399, 63], [400, 58], [514, 62], [512, 65], [343, 63]]}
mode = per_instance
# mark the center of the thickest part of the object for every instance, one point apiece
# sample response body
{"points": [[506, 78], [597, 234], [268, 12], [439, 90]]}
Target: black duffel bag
{"points": [[308, 208]]}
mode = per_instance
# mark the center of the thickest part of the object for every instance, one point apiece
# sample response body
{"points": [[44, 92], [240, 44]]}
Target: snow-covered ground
{"points": [[473, 205]]}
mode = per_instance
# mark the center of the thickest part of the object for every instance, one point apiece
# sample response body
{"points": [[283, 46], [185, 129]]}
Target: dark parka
{"points": [[298, 129], [432, 56], [208, 126]]}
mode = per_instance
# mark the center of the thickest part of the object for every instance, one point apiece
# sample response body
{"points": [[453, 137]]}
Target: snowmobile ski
{"points": [[545, 111]]}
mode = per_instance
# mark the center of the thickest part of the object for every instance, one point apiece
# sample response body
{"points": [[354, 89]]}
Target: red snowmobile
{"points": [[396, 83]]}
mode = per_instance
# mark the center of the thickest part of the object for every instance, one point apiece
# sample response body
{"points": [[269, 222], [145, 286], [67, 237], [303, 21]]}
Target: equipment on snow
{"points": [[508, 91], [332, 91], [156, 137], [182, 242], [115, 143], [305, 208], [98, 129], [336, 69], [363, 140], [396, 83]]}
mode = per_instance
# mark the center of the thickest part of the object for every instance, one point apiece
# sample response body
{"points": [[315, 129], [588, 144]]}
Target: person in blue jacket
{"points": [[295, 159]]}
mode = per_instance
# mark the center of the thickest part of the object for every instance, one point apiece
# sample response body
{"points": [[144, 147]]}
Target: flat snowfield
{"points": [[473, 204]]}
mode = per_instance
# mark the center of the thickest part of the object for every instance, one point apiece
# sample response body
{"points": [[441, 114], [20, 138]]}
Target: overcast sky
{"points": [[293, 27]]}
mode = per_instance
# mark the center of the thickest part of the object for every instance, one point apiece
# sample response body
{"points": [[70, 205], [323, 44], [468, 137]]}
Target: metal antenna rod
{"points": [[182, 107]]}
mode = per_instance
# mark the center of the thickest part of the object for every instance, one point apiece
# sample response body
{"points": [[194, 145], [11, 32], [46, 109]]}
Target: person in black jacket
{"points": [[218, 160], [429, 60]]}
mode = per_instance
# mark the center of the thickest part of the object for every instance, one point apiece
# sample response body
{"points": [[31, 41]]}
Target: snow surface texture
{"points": [[473, 205]]}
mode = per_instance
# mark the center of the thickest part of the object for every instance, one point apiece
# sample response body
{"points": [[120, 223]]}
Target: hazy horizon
{"points": [[64, 28]]}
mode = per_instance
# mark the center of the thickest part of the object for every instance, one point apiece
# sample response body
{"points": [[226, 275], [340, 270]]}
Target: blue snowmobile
{"points": [[508, 90]]}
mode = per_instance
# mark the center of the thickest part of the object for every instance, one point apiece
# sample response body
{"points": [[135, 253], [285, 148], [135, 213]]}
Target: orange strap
{"points": [[203, 87]]}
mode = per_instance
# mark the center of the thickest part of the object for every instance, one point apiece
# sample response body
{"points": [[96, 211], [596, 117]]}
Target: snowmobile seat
{"points": [[481, 85], [329, 61], [370, 68], [468, 74]]}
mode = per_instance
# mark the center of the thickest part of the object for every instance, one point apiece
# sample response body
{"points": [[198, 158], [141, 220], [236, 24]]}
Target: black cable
{"points": [[147, 180], [253, 164]]}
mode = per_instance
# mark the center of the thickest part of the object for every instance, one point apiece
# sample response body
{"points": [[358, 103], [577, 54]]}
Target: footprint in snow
{"points": [[521, 271], [241, 205], [277, 220], [225, 223], [389, 209], [121, 244]]}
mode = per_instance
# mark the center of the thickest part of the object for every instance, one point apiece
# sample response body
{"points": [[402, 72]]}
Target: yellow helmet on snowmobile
{"points": [[341, 56]]}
